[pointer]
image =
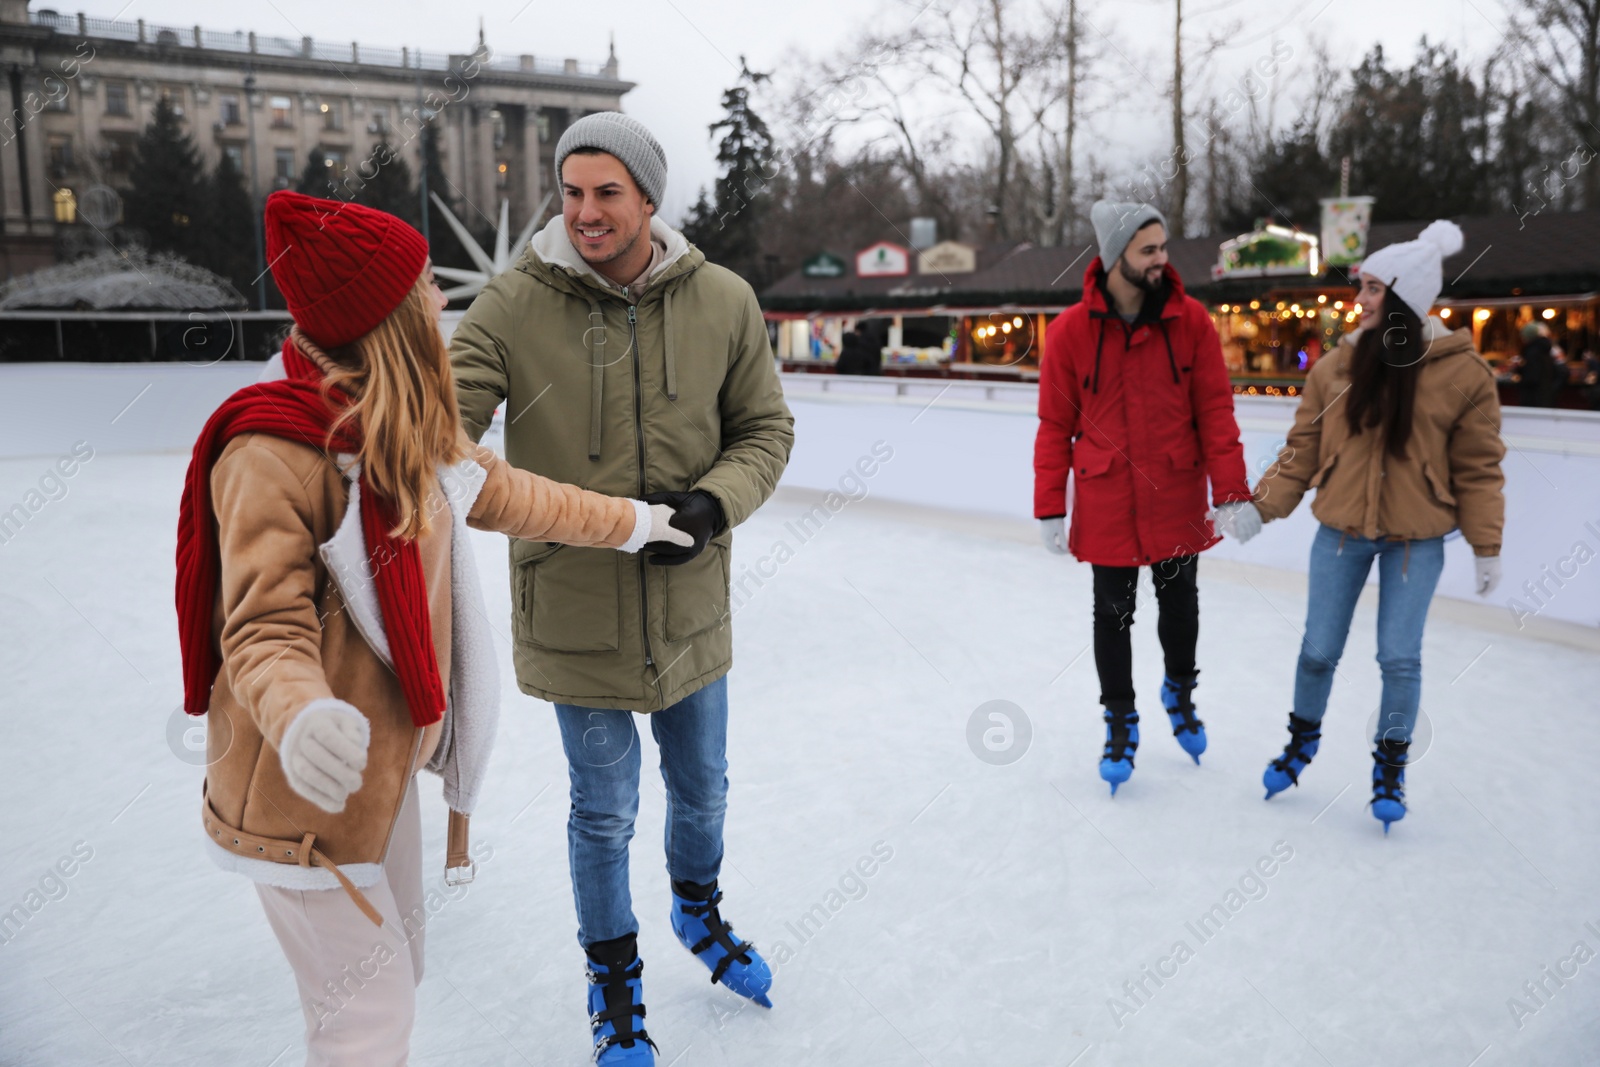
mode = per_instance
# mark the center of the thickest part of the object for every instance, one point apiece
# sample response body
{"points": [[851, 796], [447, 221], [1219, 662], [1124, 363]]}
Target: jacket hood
{"points": [[552, 247], [1094, 293], [1442, 340]]}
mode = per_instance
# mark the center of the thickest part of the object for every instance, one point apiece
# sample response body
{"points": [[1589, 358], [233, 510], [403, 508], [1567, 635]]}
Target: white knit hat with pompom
{"points": [[1415, 269]]}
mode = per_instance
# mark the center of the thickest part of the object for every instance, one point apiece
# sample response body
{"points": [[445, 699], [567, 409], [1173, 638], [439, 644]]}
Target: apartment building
{"points": [[78, 90]]}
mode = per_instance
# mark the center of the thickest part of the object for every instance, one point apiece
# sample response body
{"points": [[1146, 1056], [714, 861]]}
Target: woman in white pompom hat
{"points": [[1399, 433]]}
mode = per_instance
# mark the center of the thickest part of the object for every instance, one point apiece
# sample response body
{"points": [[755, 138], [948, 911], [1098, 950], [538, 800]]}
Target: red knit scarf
{"points": [[293, 408]]}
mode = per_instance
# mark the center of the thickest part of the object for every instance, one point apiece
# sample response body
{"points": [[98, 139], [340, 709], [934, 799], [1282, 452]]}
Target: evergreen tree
{"points": [[164, 200], [1418, 139], [727, 227], [317, 177], [383, 181], [445, 247], [228, 245]]}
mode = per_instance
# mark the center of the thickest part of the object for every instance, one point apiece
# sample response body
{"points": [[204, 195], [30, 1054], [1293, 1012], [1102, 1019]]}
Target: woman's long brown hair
{"points": [[405, 403], [1383, 375]]}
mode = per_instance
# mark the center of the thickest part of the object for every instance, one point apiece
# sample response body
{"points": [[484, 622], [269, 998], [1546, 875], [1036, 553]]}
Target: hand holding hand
{"points": [[324, 751], [695, 513], [1239, 520]]}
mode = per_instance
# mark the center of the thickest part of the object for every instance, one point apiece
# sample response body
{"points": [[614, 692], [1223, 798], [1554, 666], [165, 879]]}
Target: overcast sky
{"points": [[683, 53]]}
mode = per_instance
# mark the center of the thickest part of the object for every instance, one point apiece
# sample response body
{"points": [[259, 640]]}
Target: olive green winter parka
{"points": [[670, 386]]}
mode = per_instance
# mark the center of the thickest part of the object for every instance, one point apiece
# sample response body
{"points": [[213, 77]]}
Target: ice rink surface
{"points": [[1011, 910]]}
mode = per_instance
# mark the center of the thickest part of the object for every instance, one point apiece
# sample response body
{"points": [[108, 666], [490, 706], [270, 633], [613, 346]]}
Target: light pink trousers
{"points": [[358, 981]]}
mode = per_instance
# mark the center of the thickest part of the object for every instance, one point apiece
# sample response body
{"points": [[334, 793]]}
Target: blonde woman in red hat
{"points": [[333, 631]]}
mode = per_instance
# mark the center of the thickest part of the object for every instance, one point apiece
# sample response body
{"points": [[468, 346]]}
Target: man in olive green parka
{"points": [[628, 364]]}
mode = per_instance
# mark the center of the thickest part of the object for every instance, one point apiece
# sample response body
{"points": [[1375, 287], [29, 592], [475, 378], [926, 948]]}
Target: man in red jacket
{"points": [[1135, 405]]}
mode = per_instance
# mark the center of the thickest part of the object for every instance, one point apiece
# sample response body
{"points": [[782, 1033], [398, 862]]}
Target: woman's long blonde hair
{"points": [[404, 399]]}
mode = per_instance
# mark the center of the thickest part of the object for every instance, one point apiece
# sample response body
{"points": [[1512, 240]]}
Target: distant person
{"points": [[1398, 431], [852, 353], [1540, 376], [330, 616], [1136, 408]]}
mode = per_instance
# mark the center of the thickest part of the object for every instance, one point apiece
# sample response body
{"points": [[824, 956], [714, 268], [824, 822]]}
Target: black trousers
{"points": [[1178, 623]]}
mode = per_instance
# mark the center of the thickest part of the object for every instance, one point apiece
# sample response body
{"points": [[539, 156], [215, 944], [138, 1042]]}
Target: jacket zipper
{"points": [[638, 436], [405, 785]]}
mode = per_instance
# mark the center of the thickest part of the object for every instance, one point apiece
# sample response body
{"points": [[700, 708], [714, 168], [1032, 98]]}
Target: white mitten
{"points": [[1488, 573], [1239, 520], [652, 522], [1055, 534], [324, 751]]}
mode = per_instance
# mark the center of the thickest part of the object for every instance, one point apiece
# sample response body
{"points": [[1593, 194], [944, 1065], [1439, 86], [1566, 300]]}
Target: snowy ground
{"points": [[1016, 901]]}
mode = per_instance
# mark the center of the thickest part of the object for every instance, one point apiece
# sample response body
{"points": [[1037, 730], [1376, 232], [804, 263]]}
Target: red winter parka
{"points": [[1140, 415]]}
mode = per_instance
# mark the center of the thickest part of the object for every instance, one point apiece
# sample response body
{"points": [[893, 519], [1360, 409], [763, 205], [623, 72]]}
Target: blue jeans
{"points": [[1408, 572], [602, 749]]}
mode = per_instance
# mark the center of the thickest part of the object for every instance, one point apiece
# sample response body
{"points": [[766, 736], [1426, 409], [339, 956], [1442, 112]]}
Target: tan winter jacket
{"points": [[1450, 477], [286, 638]]}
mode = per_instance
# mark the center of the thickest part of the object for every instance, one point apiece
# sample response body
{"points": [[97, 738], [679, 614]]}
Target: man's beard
{"points": [[1134, 278], [622, 249]]}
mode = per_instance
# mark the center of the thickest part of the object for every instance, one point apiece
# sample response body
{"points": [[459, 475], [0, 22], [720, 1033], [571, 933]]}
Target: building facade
{"points": [[79, 90]]}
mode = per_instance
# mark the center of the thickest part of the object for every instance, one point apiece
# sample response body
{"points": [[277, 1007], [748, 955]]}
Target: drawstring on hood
{"points": [[597, 374], [672, 357]]}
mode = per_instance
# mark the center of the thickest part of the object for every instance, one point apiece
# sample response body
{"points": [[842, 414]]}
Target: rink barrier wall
{"points": [[960, 447]]}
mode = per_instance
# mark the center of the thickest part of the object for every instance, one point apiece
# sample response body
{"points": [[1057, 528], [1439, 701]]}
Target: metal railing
{"points": [[137, 30]]}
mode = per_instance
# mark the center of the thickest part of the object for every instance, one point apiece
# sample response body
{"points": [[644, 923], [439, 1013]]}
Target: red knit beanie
{"points": [[342, 267]]}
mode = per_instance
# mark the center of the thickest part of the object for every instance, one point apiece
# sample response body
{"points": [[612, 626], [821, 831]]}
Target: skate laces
{"points": [[1119, 738], [1294, 751], [718, 932], [620, 1008], [1181, 710], [1388, 772]]}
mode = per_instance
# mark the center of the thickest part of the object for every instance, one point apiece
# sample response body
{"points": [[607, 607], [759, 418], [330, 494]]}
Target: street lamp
{"points": [[255, 189]]}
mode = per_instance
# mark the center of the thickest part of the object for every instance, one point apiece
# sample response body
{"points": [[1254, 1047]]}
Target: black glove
{"points": [[697, 514]]}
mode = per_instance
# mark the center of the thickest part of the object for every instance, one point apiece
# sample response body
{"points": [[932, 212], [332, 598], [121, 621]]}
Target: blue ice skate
{"points": [[616, 1010], [700, 926], [1122, 741], [1190, 731], [1284, 771], [1389, 781]]}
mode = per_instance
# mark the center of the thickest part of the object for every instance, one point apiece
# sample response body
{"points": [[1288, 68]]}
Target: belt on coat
{"points": [[281, 850]]}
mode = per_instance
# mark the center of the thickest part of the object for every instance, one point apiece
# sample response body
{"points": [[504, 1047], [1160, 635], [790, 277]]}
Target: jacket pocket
{"points": [[1440, 487], [1322, 471], [568, 600], [1090, 461], [697, 591]]}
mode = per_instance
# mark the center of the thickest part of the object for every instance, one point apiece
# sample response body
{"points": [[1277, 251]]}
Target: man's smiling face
{"points": [[605, 211]]}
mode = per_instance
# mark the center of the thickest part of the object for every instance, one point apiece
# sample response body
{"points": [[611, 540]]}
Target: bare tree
{"points": [[1562, 42]]}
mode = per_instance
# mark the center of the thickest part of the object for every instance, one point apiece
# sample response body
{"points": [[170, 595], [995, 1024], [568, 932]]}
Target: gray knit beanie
{"points": [[623, 137], [1116, 223]]}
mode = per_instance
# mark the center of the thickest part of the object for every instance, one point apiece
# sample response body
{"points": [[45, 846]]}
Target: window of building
{"points": [[56, 94], [119, 154], [232, 115], [60, 155], [331, 119], [283, 166], [543, 121], [66, 206], [497, 119], [173, 95], [333, 159], [117, 98], [282, 111], [379, 122], [235, 154]]}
